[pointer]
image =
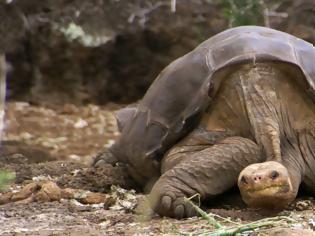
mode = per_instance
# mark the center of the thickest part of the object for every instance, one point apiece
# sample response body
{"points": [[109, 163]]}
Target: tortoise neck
{"points": [[259, 86], [295, 178], [292, 160]]}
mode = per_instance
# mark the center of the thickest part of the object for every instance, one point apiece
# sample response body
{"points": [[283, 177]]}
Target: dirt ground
{"points": [[56, 145]]}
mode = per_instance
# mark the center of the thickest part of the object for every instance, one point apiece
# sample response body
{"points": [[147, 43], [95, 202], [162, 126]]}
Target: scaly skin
{"points": [[259, 103], [208, 172], [259, 83], [259, 113]]}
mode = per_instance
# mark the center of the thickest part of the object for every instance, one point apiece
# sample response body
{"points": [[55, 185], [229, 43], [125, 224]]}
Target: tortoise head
{"points": [[266, 185]]}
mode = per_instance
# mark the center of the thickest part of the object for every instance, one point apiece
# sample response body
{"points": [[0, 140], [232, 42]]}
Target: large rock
{"points": [[120, 46]]}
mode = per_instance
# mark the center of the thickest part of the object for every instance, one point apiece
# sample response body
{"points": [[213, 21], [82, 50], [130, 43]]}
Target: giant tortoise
{"points": [[238, 109]]}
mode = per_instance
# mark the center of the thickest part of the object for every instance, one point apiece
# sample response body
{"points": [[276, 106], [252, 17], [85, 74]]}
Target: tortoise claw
{"points": [[103, 158], [166, 200], [179, 211], [166, 203]]}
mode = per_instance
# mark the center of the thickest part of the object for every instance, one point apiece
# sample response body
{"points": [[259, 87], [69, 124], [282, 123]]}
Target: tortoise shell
{"points": [[172, 105]]}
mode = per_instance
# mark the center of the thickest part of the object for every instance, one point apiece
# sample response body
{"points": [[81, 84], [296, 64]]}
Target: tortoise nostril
{"points": [[257, 178], [243, 180], [274, 174]]}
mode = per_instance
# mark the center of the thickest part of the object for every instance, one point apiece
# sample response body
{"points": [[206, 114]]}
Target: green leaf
{"points": [[5, 178]]}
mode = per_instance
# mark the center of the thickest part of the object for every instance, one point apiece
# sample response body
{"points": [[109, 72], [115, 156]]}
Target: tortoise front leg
{"points": [[208, 173]]}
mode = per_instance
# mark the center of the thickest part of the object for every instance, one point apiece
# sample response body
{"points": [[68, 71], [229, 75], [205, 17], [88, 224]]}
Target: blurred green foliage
{"points": [[74, 32], [5, 178], [200, 34], [243, 12]]}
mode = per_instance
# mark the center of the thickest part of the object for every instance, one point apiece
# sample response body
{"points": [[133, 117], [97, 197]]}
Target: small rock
{"points": [[41, 178], [297, 226], [303, 205], [74, 157], [125, 200], [26, 135], [93, 198], [110, 201], [74, 203], [68, 193], [80, 124], [109, 143], [311, 223], [105, 223], [5, 198], [20, 106], [26, 200], [69, 109], [26, 192], [49, 192]]}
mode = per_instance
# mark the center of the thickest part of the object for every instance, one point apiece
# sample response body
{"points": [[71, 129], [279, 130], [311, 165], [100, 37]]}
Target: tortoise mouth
{"points": [[269, 197], [268, 190]]}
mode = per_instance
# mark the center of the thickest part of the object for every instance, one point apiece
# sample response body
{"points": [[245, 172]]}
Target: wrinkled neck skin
{"points": [[293, 161], [277, 108]]}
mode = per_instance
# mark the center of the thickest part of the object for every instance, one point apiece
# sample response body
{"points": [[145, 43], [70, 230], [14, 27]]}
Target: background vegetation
{"points": [[102, 51]]}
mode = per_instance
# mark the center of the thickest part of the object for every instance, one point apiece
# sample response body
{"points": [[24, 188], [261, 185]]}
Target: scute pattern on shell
{"points": [[169, 109], [254, 44]]}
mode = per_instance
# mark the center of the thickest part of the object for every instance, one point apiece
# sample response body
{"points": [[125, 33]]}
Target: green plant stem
{"points": [[204, 215], [240, 228], [272, 221]]}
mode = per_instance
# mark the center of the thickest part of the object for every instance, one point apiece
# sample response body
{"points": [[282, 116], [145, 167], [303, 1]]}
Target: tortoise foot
{"points": [[169, 201]]}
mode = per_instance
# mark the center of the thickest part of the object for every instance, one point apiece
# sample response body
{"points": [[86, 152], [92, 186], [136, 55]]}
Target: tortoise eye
{"points": [[274, 174], [243, 180]]}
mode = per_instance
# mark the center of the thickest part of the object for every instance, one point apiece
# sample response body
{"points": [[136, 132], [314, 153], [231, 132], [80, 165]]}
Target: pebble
{"points": [[303, 205], [80, 124]]}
